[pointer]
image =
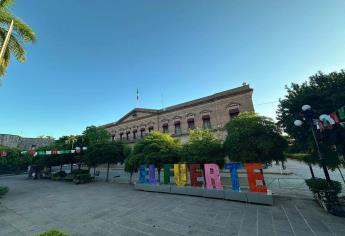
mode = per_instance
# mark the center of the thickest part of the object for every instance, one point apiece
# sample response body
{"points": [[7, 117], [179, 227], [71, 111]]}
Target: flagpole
{"points": [[7, 39]]}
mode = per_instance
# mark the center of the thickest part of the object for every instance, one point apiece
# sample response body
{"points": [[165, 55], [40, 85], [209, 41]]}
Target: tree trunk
{"points": [[130, 178], [107, 179], [71, 167], [61, 167], [94, 171], [311, 171]]}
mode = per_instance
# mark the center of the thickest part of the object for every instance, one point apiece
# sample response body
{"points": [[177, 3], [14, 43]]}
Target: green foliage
{"points": [[21, 33], [319, 185], [95, 135], [14, 162], [61, 174], [132, 164], [67, 142], [53, 233], [3, 190], [202, 147], [111, 152], [157, 148], [325, 94], [253, 138], [82, 178]]}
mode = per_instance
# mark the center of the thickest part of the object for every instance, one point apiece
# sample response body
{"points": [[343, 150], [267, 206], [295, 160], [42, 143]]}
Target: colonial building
{"points": [[22, 143], [211, 112]]}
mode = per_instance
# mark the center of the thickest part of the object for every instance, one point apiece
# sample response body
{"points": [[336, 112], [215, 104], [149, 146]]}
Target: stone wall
{"points": [[15, 141]]}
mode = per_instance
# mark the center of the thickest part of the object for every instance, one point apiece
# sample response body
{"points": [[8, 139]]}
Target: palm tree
{"points": [[22, 33]]}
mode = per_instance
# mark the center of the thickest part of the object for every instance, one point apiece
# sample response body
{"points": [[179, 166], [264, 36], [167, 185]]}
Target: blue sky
{"points": [[91, 56]]}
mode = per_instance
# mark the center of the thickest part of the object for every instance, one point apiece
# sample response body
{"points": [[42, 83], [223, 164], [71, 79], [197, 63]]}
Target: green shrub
{"points": [[3, 190], [53, 233], [319, 185], [82, 178], [61, 174], [77, 172]]}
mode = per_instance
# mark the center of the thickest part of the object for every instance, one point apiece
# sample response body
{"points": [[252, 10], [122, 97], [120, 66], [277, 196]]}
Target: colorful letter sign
{"points": [[212, 176], [152, 171], [167, 174], [195, 173], [233, 167], [180, 174], [142, 174], [253, 177], [211, 180]]}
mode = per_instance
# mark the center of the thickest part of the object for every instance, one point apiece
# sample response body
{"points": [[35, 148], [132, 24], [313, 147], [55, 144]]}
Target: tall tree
{"points": [[109, 153], [254, 138], [158, 149], [325, 94], [95, 135], [203, 147], [22, 33]]}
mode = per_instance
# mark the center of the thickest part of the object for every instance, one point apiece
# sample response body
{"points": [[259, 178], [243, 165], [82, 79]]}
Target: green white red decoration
{"points": [[327, 121], [54, 152]]}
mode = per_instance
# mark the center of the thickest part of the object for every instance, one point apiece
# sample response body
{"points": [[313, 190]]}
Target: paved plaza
{"points": [[100, 208]]}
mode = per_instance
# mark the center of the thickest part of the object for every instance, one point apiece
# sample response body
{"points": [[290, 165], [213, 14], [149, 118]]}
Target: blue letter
{"points": [[152, 174], [233, 172], [142, 174]]}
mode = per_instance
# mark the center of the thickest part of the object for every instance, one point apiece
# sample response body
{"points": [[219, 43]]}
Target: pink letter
{"points": [[212, 176]]}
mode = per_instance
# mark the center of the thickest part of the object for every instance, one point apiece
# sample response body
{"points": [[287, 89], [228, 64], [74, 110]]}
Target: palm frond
{"points": [[5, 3], [20, 27], [15, 47]]}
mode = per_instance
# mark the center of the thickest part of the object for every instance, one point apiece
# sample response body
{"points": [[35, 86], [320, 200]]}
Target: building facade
{"points": [[211, 112], [15, 141]]}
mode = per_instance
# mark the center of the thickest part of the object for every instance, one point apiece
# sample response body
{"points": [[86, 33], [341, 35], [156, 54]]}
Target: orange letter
{"points": [[253, 177]]}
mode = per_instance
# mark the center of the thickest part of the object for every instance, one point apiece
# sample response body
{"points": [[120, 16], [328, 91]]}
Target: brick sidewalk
{"points": [[116, 209]]}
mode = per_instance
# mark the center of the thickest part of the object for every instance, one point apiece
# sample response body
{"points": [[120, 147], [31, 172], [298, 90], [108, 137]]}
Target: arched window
{"points": [[191, 123], [142, 132], [206, 122], [127, 135], [177, 127], [165, 128], [135, 134], [121, 136], [233, 112], [150, 129]]}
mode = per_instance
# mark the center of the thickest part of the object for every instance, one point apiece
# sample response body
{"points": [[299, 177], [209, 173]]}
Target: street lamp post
{"points": [[309, 117]]}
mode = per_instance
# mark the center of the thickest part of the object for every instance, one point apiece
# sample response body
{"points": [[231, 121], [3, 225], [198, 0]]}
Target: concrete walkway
{"points": [[102, 208]]}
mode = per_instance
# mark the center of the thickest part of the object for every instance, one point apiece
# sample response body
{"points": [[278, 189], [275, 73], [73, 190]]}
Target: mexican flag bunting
{"points": [[41, 152], [33, 153]]}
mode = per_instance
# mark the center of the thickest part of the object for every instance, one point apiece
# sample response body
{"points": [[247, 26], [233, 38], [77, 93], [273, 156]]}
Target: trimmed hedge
{"points": [[319, 185]]}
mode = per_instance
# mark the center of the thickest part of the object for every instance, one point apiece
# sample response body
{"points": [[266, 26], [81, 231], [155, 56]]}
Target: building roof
{"points": [[226, 93]]}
